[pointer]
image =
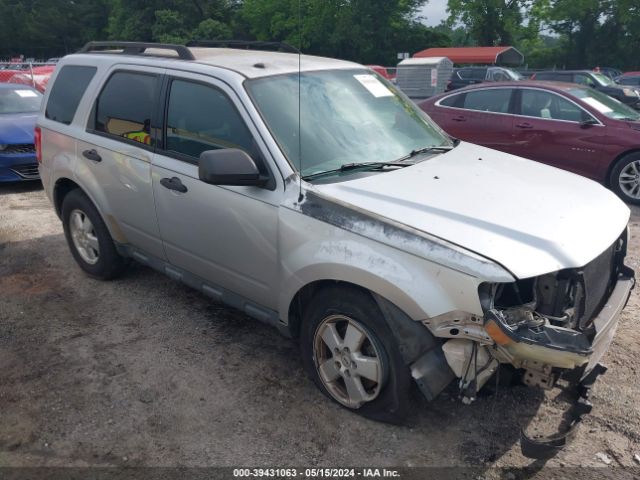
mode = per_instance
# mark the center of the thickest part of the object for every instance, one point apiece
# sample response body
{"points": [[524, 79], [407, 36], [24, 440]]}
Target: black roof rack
{"points": [[136, 48], [244, 44]]}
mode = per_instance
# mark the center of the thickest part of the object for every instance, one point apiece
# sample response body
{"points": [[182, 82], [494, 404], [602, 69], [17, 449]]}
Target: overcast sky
{"points": [[435, 11]]}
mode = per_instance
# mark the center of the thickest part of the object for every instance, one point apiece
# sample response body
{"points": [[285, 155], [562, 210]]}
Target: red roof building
{"points": [[476, 55]]}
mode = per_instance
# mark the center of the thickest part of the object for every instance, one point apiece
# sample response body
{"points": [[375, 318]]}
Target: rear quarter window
{"points": [[456, 101], [66, 92]]}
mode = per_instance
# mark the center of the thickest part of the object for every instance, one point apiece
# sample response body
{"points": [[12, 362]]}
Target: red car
{"points": [[383, 71], [569, 126], [37, 77]]}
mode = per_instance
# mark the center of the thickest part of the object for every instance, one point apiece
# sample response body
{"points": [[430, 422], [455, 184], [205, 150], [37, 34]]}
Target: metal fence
{"points": [[35, 74]]}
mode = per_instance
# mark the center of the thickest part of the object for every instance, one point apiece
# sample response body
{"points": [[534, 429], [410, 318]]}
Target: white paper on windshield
{"points": [[598, 105], [26, 93], [375, 86]]}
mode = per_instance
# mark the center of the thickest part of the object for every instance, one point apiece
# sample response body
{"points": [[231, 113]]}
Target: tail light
{"points": [[37, 136]]}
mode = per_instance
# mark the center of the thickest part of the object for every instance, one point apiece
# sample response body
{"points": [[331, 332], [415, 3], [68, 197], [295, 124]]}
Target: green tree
{"points": [[210, 29], [368, 31], [42, 28], [169, 20], [169, 27], [593, 32], [489, 22]]}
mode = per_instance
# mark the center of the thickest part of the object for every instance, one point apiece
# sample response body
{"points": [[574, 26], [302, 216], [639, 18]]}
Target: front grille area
{"points": [[29, 172], [597, 279], [20, 148]]}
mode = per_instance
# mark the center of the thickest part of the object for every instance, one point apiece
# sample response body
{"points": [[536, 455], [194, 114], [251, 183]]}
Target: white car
{"points": [[316, 197]]}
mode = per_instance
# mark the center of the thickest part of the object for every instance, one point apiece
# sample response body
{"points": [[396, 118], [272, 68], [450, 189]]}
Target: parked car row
{"points": [[598, 81], [569, 126], [623, 88]]}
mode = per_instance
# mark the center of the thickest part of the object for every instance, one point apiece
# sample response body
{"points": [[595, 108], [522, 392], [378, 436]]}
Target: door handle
{"points": [[92, 155], [524, 125], [459, 119], [173, 183]]}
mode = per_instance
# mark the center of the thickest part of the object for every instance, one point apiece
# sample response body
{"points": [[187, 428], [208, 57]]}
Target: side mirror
{"points": [[229, 166], [588, 122]]}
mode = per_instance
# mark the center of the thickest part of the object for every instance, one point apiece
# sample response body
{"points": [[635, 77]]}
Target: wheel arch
{"points": [[61, 189], [304, 295], [64, 185], [307, 281]]}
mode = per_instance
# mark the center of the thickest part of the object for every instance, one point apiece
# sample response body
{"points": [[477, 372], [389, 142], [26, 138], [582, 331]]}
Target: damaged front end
{"points": [[559, 323], [551, 327]]}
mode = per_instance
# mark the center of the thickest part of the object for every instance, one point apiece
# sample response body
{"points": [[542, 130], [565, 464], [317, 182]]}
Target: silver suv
{"points": [[314, 196]]}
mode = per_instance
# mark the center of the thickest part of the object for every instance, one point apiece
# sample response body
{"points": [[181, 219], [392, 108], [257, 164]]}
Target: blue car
{"points": [[19, 107]]}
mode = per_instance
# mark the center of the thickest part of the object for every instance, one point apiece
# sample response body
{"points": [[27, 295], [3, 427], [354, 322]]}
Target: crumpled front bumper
{"points": [[560, 347]]}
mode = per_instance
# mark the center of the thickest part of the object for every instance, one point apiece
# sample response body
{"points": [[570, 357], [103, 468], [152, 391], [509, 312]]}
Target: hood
{"points": [[530, 218], [17, 128]]}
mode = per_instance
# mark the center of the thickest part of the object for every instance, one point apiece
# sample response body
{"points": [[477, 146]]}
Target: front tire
{"points": [[625, 178], [88, 238], [351, 355]]}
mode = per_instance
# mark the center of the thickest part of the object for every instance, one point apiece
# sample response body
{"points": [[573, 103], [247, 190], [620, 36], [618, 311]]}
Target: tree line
{"points": [[562, 33], [363, 30]]}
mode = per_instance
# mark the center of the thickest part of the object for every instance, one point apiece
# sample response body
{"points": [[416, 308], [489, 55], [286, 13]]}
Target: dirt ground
{"points": [[143, 371]]}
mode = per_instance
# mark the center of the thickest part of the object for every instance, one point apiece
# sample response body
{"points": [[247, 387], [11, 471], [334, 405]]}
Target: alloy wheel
{"points": [[84, 237], [629, 180], [348, 361]]}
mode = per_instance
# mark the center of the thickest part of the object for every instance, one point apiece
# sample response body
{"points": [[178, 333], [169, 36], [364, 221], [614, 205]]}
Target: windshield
{"points": [[19, 100], [603, 79], [346, 117], [604, 104]]}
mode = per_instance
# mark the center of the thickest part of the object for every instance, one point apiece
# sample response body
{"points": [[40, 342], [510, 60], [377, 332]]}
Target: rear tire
{"points": [[351, 355], [625, 178], [88, 238]]}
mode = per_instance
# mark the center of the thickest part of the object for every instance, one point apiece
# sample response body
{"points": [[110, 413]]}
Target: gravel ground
{"points": [[143, 371]]}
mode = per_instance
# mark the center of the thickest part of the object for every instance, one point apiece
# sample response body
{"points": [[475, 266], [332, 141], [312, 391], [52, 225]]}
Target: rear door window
{"points": [[490, 100], [125, 106], [546, 105], [66, 92]]}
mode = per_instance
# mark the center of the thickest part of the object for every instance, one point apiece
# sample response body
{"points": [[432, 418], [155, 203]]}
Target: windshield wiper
{"points": [[419, 151], [355, 166]]}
